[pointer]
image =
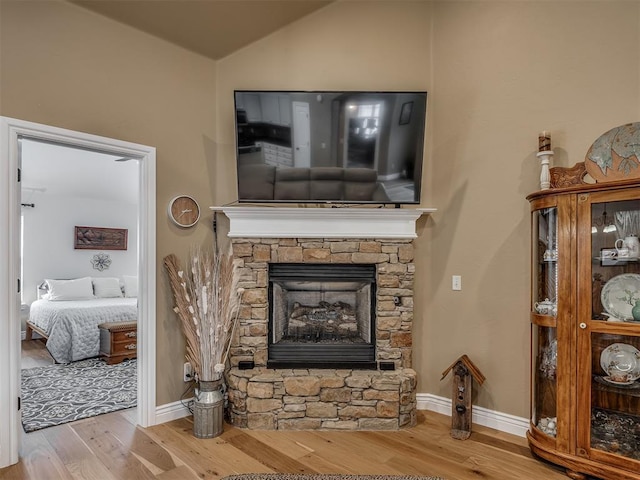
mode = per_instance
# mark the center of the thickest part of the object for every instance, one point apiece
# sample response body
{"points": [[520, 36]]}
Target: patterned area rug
{"points": [[319, 476], [58, 394]]}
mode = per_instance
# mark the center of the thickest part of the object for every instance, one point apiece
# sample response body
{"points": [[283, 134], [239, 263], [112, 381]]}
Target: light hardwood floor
{"points": [[34, 354], [111, 447]]}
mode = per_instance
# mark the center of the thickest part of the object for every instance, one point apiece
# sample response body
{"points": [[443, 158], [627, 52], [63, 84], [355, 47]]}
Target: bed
{"points": [[69, 323]]}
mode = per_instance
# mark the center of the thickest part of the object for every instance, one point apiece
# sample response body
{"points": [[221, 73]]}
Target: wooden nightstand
{"points": [[118, 341]]}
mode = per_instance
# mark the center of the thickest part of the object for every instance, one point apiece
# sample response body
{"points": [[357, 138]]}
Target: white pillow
{"points": [[76, 289], [106, 287], [130, 286]]}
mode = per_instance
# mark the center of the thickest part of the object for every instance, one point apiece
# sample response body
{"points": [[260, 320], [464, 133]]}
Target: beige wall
{"points": [[497, 73], [503, 72], [64, 66], [348, 46]]}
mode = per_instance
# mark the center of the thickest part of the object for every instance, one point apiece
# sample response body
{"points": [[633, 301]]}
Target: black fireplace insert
{"points": [[321, 316]]}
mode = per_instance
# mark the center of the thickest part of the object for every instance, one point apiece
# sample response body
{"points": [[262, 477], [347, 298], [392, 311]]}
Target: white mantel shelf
{"points": [[315, 222]]}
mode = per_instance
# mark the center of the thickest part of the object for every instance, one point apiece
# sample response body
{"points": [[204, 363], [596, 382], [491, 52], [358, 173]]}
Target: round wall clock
{"points": [[184, 211]]}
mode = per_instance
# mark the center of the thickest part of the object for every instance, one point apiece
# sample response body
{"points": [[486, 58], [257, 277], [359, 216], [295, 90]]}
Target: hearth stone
{"points": [[322, 399], [340, 398]]}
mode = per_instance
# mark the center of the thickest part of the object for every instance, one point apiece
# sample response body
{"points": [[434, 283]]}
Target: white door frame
{"points": [[11, 130]]}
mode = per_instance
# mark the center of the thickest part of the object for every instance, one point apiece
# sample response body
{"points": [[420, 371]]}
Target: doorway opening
{"points": [[12, 133], [363, 122], [62, 188]]}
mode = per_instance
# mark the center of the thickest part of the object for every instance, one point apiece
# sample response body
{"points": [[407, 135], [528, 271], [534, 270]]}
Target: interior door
{"points": [[301, 135]]}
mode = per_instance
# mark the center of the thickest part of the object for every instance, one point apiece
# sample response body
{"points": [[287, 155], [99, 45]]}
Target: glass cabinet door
{"points": [[615, 402], [545, 392], [543, 318], [615, 254], [545, 241], [609, 326]]}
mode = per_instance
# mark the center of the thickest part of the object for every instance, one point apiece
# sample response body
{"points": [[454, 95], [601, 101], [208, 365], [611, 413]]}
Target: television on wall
{"points": [[329, 146]]}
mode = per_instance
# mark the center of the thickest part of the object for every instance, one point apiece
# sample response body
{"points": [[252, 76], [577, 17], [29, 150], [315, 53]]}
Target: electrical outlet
{"points": [[456, 282], [187, 372]]}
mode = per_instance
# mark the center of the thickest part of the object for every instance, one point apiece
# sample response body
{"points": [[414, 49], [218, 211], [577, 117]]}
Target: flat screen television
{"points": [[330, 146]]}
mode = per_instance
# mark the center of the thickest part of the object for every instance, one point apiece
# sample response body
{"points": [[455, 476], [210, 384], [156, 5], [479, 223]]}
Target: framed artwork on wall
{"points": [[98, 238]]}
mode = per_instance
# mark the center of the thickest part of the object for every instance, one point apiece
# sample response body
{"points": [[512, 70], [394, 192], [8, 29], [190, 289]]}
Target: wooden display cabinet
{"points": [[585, 381]]}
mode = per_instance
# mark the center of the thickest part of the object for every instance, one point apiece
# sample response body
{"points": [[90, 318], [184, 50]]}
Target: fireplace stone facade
{"points": [[313, 398]]}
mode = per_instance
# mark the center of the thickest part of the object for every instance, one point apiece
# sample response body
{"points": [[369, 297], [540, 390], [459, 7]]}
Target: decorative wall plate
{"points": [[615, 155], [619, 295], [621, 361]]}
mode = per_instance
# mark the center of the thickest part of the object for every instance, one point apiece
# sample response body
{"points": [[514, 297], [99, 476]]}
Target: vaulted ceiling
{"points": [[213, 28]]}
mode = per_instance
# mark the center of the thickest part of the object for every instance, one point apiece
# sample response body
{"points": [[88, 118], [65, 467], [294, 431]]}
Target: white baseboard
{"points": [[172, 411], [425, 401], [482, 416]]}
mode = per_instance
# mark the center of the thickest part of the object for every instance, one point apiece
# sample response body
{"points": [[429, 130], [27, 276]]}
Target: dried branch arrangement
{"points": [[207, 301]]}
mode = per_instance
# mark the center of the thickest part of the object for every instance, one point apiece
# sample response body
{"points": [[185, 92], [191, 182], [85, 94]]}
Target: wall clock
{"points": [[184, 211]]}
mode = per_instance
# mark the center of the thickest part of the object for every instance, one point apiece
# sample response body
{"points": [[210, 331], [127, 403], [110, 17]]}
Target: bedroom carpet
{"points": [[62, 393]]}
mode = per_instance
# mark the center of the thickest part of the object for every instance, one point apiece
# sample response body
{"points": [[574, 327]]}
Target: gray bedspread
{"points": [[72, 326]]}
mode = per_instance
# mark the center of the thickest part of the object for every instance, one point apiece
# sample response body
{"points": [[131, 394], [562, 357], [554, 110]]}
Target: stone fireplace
{"points": [[325, 326]]}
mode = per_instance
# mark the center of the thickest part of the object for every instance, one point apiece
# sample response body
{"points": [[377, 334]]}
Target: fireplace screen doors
{"points": [[321, 315]]}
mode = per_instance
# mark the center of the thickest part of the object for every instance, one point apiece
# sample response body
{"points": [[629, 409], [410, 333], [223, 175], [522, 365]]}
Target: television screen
{"points": [[330, 147]]}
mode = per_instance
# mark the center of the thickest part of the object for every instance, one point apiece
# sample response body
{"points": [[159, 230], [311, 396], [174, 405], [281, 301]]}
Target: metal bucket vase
{"points": [[208, 409]]}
